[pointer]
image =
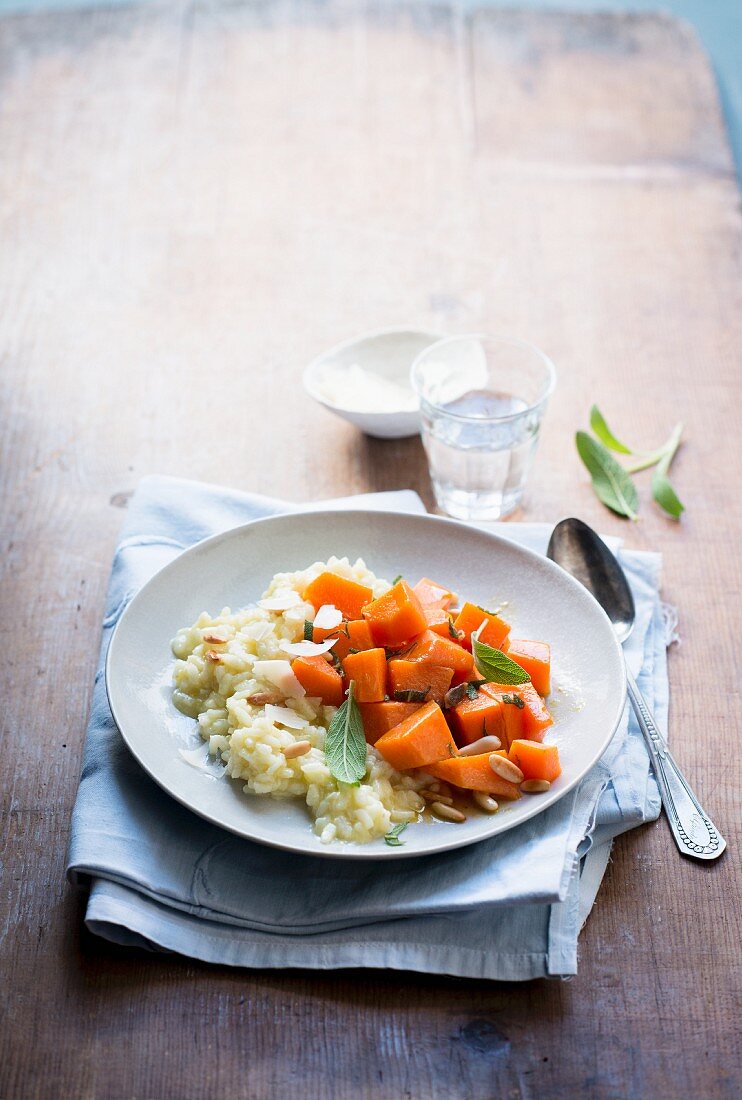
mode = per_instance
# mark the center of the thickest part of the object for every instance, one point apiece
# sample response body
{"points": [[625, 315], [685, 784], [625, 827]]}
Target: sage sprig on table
{"points": [[612, 482], [345, 744], [495, 665]]}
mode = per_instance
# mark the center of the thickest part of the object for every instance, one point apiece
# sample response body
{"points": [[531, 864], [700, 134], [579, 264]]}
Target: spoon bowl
{"points": [[582, 552]]}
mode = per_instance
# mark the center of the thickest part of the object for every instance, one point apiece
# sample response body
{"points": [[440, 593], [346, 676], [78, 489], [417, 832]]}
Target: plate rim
{"points": [[348, 850]]}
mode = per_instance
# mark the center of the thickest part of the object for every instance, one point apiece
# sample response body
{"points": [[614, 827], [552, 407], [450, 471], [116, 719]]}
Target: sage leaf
{"points": [[663, 492], [308, 631], [610, 481], [345, 744], [392, 837], [515, 700], [495, 665], [662, 489], [604, 433], [410, 695]]}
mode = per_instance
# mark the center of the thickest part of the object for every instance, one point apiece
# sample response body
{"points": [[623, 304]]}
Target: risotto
{"points": [[232, 675]]}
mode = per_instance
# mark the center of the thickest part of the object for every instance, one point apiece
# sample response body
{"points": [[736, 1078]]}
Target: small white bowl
{"points": [[389, 353]]}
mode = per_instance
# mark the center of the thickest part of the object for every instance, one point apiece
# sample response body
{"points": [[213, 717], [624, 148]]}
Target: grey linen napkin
{"points": [[509, 908]]}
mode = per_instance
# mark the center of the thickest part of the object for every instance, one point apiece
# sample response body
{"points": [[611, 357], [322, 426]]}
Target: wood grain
{"points": [[195, 199]]}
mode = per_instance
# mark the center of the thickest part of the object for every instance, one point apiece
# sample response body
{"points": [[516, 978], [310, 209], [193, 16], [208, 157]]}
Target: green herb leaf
{"points": [[486, 610], [308, 631], [664, 494], [604, 433], [409, 695], [610, 481], [467, 690], [472, 688], [392, 837], [345, 744], [453, 632], [397, 579], [515, 700], [494, 665], [662, 489]]}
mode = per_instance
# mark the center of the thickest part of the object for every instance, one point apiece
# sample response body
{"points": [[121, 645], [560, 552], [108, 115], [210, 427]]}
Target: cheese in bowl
{"points": [[368, 700]]}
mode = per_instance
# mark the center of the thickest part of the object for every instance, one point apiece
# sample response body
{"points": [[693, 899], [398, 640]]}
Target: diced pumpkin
{"points": [[419, 676], [319, 679], [535, 760], [348, 596], [463, 677], [395, 617], [359, 634], [431, 594], [368, 671], [471, 617], [350, 635], [474, 773], [475, 718], [439, 621], [379, 718], [535, 659], [419, 740], [530, 721], [438, 650]]}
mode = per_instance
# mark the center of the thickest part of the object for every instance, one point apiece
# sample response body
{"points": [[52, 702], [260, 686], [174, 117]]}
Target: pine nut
{"points": [[214, 639], [435, 796], [484, 744], [447, 813], [299, 748], [506, 769], [213, 656], [485, 802], [261, 697], [535, 786]]}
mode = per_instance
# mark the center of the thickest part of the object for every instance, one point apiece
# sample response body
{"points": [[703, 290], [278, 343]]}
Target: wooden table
{"points": [[195, 199]]}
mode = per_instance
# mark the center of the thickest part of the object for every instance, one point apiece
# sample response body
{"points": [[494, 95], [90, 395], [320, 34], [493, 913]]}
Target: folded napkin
{"points": [[507, 908]]}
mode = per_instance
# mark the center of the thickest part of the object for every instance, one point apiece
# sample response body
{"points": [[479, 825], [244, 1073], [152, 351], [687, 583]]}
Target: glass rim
{"points": [[513, 341]]}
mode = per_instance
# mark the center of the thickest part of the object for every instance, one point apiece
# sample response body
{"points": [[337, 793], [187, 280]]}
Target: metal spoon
{"points": [[581, 552]]}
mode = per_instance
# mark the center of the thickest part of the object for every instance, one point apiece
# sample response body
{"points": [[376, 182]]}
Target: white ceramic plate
{"points": [[234, 569]]}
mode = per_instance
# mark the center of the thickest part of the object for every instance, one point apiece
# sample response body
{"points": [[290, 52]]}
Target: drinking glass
{"points": [[482, 399]]}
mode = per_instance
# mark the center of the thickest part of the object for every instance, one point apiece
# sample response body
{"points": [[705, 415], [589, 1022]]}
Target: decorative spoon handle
{"points": [[694, 832]]}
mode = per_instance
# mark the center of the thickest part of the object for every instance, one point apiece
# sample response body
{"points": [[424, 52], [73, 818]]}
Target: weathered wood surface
{"points": [[194, 200]]}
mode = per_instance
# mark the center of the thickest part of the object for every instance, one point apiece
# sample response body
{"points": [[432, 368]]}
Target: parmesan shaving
{"points": [[308, 649], [280, 674], [284, 716], [328, 617]]}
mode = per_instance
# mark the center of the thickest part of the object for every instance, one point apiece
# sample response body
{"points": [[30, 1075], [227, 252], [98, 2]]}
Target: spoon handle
{"points": [[694, 832]]}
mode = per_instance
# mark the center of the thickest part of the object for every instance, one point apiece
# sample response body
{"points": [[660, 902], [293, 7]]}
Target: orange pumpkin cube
{"points": [[349, 635], [379, 718], [474, 773], [474, 718], [347, 596], [421, 739], [395, 617], [471, 617], [535, 760], [535, 659], [431, 594], [440, 622], [319, 679], [530, 720], [419, 676], [438, 650], [368, 671]]}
